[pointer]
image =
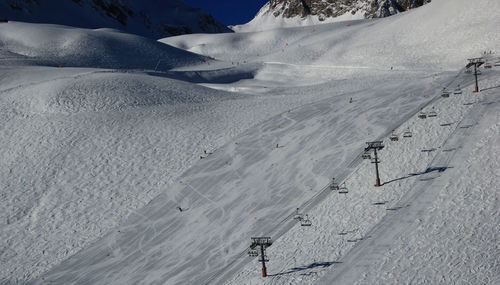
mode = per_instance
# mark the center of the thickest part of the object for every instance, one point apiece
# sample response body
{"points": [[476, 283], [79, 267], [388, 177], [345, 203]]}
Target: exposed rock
{"points": [[324, 9]]}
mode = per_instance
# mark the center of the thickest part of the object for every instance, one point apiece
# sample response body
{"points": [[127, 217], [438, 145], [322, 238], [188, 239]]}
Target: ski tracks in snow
{"points": [[399, 222], [352, 217]]}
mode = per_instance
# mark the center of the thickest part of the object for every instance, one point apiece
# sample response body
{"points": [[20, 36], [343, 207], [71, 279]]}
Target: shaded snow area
{"points": [[102, 140]]}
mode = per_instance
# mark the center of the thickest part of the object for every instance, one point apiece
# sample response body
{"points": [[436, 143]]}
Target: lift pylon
{"points": [[476, 62], [263, 242], [376, 145]]}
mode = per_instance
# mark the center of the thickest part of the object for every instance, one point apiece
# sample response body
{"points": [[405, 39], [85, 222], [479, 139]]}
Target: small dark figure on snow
{"points": [[205, 154], [179, 208], [350, 100]]}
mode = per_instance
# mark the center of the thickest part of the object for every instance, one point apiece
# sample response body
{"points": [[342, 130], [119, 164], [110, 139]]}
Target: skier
{"points": [[350, 100], [179, 208]]}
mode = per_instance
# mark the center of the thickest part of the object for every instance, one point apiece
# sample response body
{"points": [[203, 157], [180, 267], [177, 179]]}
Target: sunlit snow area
{"points": [[103, 133]]}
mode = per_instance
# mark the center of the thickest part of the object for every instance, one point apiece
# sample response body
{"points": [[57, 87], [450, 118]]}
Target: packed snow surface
{"points": [[102, 132]]}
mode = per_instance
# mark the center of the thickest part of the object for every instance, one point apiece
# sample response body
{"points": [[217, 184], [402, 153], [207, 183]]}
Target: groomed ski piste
{"points": [[102, 133]]}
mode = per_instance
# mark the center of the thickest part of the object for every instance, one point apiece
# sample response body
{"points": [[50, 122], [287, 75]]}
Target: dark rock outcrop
{"points": [[150, 18], [324, 9]]}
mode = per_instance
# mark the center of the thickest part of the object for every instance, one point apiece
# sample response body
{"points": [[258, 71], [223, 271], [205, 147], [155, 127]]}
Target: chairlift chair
{"points": [[445, 93], [432, 113], [422, 115], [343, 189], [334, 185], [366, 155], [253, 253], [488, 65], [407, 133], [306, 222], [298, 216], [458, 90], [394, 137]]}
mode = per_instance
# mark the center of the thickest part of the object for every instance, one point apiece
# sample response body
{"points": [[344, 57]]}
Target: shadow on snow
{"points": [[428, 170], [310, 266]]}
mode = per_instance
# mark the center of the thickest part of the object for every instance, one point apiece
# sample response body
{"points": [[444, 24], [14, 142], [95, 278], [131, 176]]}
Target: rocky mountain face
{"points": [[324, 9], [150, 18]]}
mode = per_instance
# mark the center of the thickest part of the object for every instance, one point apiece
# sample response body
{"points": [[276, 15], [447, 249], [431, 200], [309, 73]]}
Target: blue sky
{"points": [[230, 12]]}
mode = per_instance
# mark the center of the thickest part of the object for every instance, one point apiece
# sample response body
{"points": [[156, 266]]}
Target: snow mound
{"points": [[104, 91], [54, 45]]}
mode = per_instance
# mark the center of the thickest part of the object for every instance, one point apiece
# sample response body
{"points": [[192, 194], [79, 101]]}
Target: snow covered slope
{"points": [[399, 233], [149, 18], [434, 36], [54, 45], [280, 13], [95, 161]]}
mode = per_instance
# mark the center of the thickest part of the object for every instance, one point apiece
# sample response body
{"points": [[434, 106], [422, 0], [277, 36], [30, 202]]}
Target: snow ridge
{"points": [[149, 18]]}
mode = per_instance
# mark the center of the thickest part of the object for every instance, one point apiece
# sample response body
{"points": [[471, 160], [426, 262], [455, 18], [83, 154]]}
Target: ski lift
{"points": [[458, 90], [445, 93], [334, 185], [366, 155], [432, 113], [407, 133], [422, 115], [253, 253], [394, 137], [298, 216], [306, 222], [343, 189], [488, 65]]}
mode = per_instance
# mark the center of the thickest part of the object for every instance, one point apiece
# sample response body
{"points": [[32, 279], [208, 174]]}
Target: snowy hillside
{"points": [[280, 13], [100, 154], [434, 36], [54, 45], [152, 19]]}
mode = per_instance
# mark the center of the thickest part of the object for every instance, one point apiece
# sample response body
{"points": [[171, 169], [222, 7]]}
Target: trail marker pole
{"points": [[263, 242], [477, 62], [376, 145]]}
